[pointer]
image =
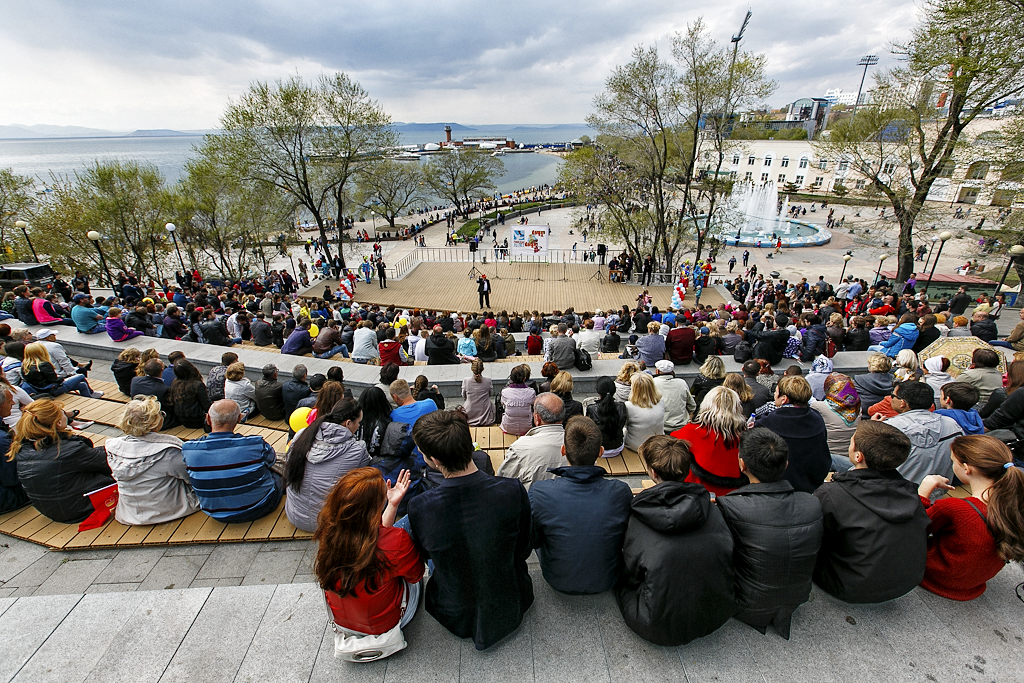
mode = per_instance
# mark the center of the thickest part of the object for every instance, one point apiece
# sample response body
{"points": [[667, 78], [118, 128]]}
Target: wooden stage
{"points": [[447, 286]]}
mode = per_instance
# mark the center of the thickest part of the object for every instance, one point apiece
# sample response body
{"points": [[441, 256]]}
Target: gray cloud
{"points": [[151, 64]]}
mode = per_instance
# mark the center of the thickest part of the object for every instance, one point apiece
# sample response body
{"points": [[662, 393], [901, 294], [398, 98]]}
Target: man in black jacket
{"points": [[440, 349], [476, 529], [295, 390], [777, 531], [804, 431], [771, 341], [262, 335], [215, 331], [875, 540], [269, 394], [152, 384], [959, 303]]}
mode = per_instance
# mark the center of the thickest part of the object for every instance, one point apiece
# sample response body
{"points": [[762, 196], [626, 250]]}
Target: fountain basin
{"points": [[809, 236]]}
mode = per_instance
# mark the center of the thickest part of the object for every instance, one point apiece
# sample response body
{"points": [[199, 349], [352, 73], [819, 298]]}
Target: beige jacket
{"points": [[530, 456]]}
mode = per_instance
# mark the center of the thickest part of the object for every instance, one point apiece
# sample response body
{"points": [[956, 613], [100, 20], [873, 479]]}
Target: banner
{"points": [[530, 243]]}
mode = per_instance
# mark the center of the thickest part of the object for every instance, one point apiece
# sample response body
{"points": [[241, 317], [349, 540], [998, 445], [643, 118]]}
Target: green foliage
{"points": [[390, 187], [462, 175], [15, 201]]}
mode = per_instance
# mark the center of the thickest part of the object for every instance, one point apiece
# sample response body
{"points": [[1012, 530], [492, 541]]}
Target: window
{"points": [[844, 165], [785, 162], [823, 164], [735, 159], [799, 181], [819, 181], [888, 168], [803, 162], [748, 176], [764, 177], [978, 170], [861, 184], [751, 159], [782, 178], [946, 171], [732, 175], [767, 161]]}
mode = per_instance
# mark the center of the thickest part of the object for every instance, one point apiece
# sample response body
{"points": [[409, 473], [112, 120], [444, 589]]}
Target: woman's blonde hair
{"points": [[720, 413], [835, 319], [130, 355], [39, 425], [713, 368], [35, 354], [642, 391], [477, 366], [141, 416], [653, 327], [713, 329], [879, 362], [628, 369], [235, 371], [147, 355], [561, 383], [735, 382]]}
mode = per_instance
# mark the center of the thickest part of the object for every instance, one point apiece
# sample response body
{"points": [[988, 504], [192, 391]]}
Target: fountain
{"points": [[756, 213]]}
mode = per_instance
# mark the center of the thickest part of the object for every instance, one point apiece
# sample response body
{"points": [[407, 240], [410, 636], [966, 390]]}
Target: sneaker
{"points": [[81, 425], [97, 394]]}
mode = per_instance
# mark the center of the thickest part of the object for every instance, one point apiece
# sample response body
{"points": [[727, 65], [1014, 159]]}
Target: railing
{"points": [[404, 266]]}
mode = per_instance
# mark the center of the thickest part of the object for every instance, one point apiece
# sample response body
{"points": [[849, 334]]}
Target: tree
{"points": [[458, 174], [390, 187], [961, 59], [306, 139], [15, 201]]}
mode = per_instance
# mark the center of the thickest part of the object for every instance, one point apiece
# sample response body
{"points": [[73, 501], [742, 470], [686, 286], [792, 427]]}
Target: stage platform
{"points": [[516, 287]]}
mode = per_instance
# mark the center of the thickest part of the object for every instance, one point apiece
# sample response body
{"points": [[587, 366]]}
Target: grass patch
{"points": [[471, 226]]}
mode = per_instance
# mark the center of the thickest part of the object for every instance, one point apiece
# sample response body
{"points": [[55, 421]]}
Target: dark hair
{"points": [[376, 417], [186, 384], [154, 367], [444, 436], [751, 368], [582, 441], [229, 357], [884, 447], [794, 371], [389, 373], [174, 356], [336, 374], [519, 374], [962, 395], [917, 395], [670, 458], [765, 454], [1005, 500], [317, 381], [985, 358], [15, 350], [345, 409]]}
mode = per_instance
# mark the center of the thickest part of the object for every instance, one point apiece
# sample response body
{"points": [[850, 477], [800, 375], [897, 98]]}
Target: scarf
{"points": [[842, 397], [822, 364]]}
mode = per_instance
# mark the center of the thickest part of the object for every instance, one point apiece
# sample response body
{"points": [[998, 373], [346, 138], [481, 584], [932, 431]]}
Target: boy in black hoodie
{"points": [[875, 539]]}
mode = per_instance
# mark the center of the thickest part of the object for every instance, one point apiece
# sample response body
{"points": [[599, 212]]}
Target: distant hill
{"points": [[158, 133], [426, 127], [43, 131]]}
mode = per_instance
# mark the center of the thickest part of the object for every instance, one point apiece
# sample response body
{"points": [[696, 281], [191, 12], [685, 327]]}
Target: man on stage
{"points": [[483, 290]]}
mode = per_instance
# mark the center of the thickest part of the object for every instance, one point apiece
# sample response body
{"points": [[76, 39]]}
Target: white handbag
{"points": [[353, 647]]}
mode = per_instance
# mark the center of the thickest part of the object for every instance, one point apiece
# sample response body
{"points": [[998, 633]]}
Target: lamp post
{"points": [[23, 226], [931, 250], [95, 237], [846, 262], [943, 236], [865, 61], [171, 228], [1016, 251], [878, 273]]}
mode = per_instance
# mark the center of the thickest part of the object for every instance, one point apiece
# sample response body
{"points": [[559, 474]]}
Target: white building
{"points": [[837, 96]]}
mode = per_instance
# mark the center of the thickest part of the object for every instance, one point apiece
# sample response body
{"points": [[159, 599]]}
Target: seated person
{"points": [[875, 539], [299, 342], [476, 530], [929, 434], [231, 473], [958, 400], [12, 493], [674, 525], [151, 383], [983, 373], [971, 539], [579, 518], [152, 481], [384, 591], [57, 467], [777, 531], [531, 457], [804, 431]]}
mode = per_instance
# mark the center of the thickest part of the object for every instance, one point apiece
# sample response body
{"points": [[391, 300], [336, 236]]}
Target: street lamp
{"points": [[878, 273], [22, 225], [931, 250], [865, 61], [1016, 251], [95, 237], [846, 262], [943, 236], [171, 228]]}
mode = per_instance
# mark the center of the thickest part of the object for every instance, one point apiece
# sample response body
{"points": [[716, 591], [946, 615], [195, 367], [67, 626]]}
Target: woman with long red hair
{"points": [[369, 569]]}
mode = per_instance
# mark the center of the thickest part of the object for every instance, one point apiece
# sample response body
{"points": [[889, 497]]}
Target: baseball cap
{"points": [[79, 297], [44, 333], [665, 366]]}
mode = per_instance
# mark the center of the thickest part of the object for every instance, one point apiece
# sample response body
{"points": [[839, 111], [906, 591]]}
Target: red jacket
{"points": [[715, 467], [679, 344], [390, 352], [962, 554], [378, 612], [534, 345]]}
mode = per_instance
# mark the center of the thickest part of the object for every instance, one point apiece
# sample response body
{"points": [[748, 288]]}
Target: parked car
{"points": [[31, 274]]}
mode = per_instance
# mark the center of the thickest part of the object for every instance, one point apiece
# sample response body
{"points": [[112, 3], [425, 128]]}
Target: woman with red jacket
{"points": [[971, 539], [369, 569], [714, 438]]}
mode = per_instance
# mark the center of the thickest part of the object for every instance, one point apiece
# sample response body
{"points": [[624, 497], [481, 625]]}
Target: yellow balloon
{"points": [[313, 331], [298, 418]]}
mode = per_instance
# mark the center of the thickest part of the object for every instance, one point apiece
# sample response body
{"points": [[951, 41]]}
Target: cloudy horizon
{"points": [[146, 65]]}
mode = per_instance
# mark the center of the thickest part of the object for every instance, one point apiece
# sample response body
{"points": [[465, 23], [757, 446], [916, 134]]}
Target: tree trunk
{"points": [[339, 196]]}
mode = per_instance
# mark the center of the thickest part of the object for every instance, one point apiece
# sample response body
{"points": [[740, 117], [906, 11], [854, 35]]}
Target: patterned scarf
{"points": [[842, 397]]}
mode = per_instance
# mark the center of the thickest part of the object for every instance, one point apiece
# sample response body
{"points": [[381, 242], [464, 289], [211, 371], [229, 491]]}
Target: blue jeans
{"points": [[361, 361], [1000, 342], [4, 315], [73, 383], [100, 327], [340, 348], [877, 347]]}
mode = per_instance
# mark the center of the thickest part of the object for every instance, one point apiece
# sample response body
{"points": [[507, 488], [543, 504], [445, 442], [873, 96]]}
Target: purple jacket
{"points": [[118, 331], [879, 334]]}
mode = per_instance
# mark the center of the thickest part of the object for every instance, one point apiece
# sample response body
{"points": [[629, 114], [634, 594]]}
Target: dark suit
{"points": [[483, 289]]}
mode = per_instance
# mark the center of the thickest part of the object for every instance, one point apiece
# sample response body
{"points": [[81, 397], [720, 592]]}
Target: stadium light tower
{"points": [[865, 61]]}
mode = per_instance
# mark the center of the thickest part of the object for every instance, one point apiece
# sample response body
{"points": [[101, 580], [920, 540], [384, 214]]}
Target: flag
{"points": [[103, 501]]}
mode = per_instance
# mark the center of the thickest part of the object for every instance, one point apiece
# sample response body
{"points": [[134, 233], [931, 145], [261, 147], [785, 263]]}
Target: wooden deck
{"points": [[448, 286]]}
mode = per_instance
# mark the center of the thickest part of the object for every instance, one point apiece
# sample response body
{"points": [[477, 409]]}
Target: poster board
{"points": [[529, 243]]}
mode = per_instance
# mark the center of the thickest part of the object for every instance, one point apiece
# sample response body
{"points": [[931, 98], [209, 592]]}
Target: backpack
{"points": [[583, 360], [830, 348], [742, 352]]}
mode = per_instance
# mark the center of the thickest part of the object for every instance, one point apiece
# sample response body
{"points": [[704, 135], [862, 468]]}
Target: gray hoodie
{"points": [[152, 482], [930, 437], [335, 452]]}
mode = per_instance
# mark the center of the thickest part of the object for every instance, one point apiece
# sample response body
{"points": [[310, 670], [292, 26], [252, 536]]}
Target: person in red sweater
{"points": [[534, 342], [369, 569], [391, 350], [714, 438], [971, 539]]}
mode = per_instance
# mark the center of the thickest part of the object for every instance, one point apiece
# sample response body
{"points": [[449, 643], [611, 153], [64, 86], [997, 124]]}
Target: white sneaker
{"points": [[97, 394], [81, 425]]}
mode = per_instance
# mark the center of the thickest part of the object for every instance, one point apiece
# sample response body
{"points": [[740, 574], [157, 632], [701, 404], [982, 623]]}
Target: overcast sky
{"points": [[122, 65]]}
